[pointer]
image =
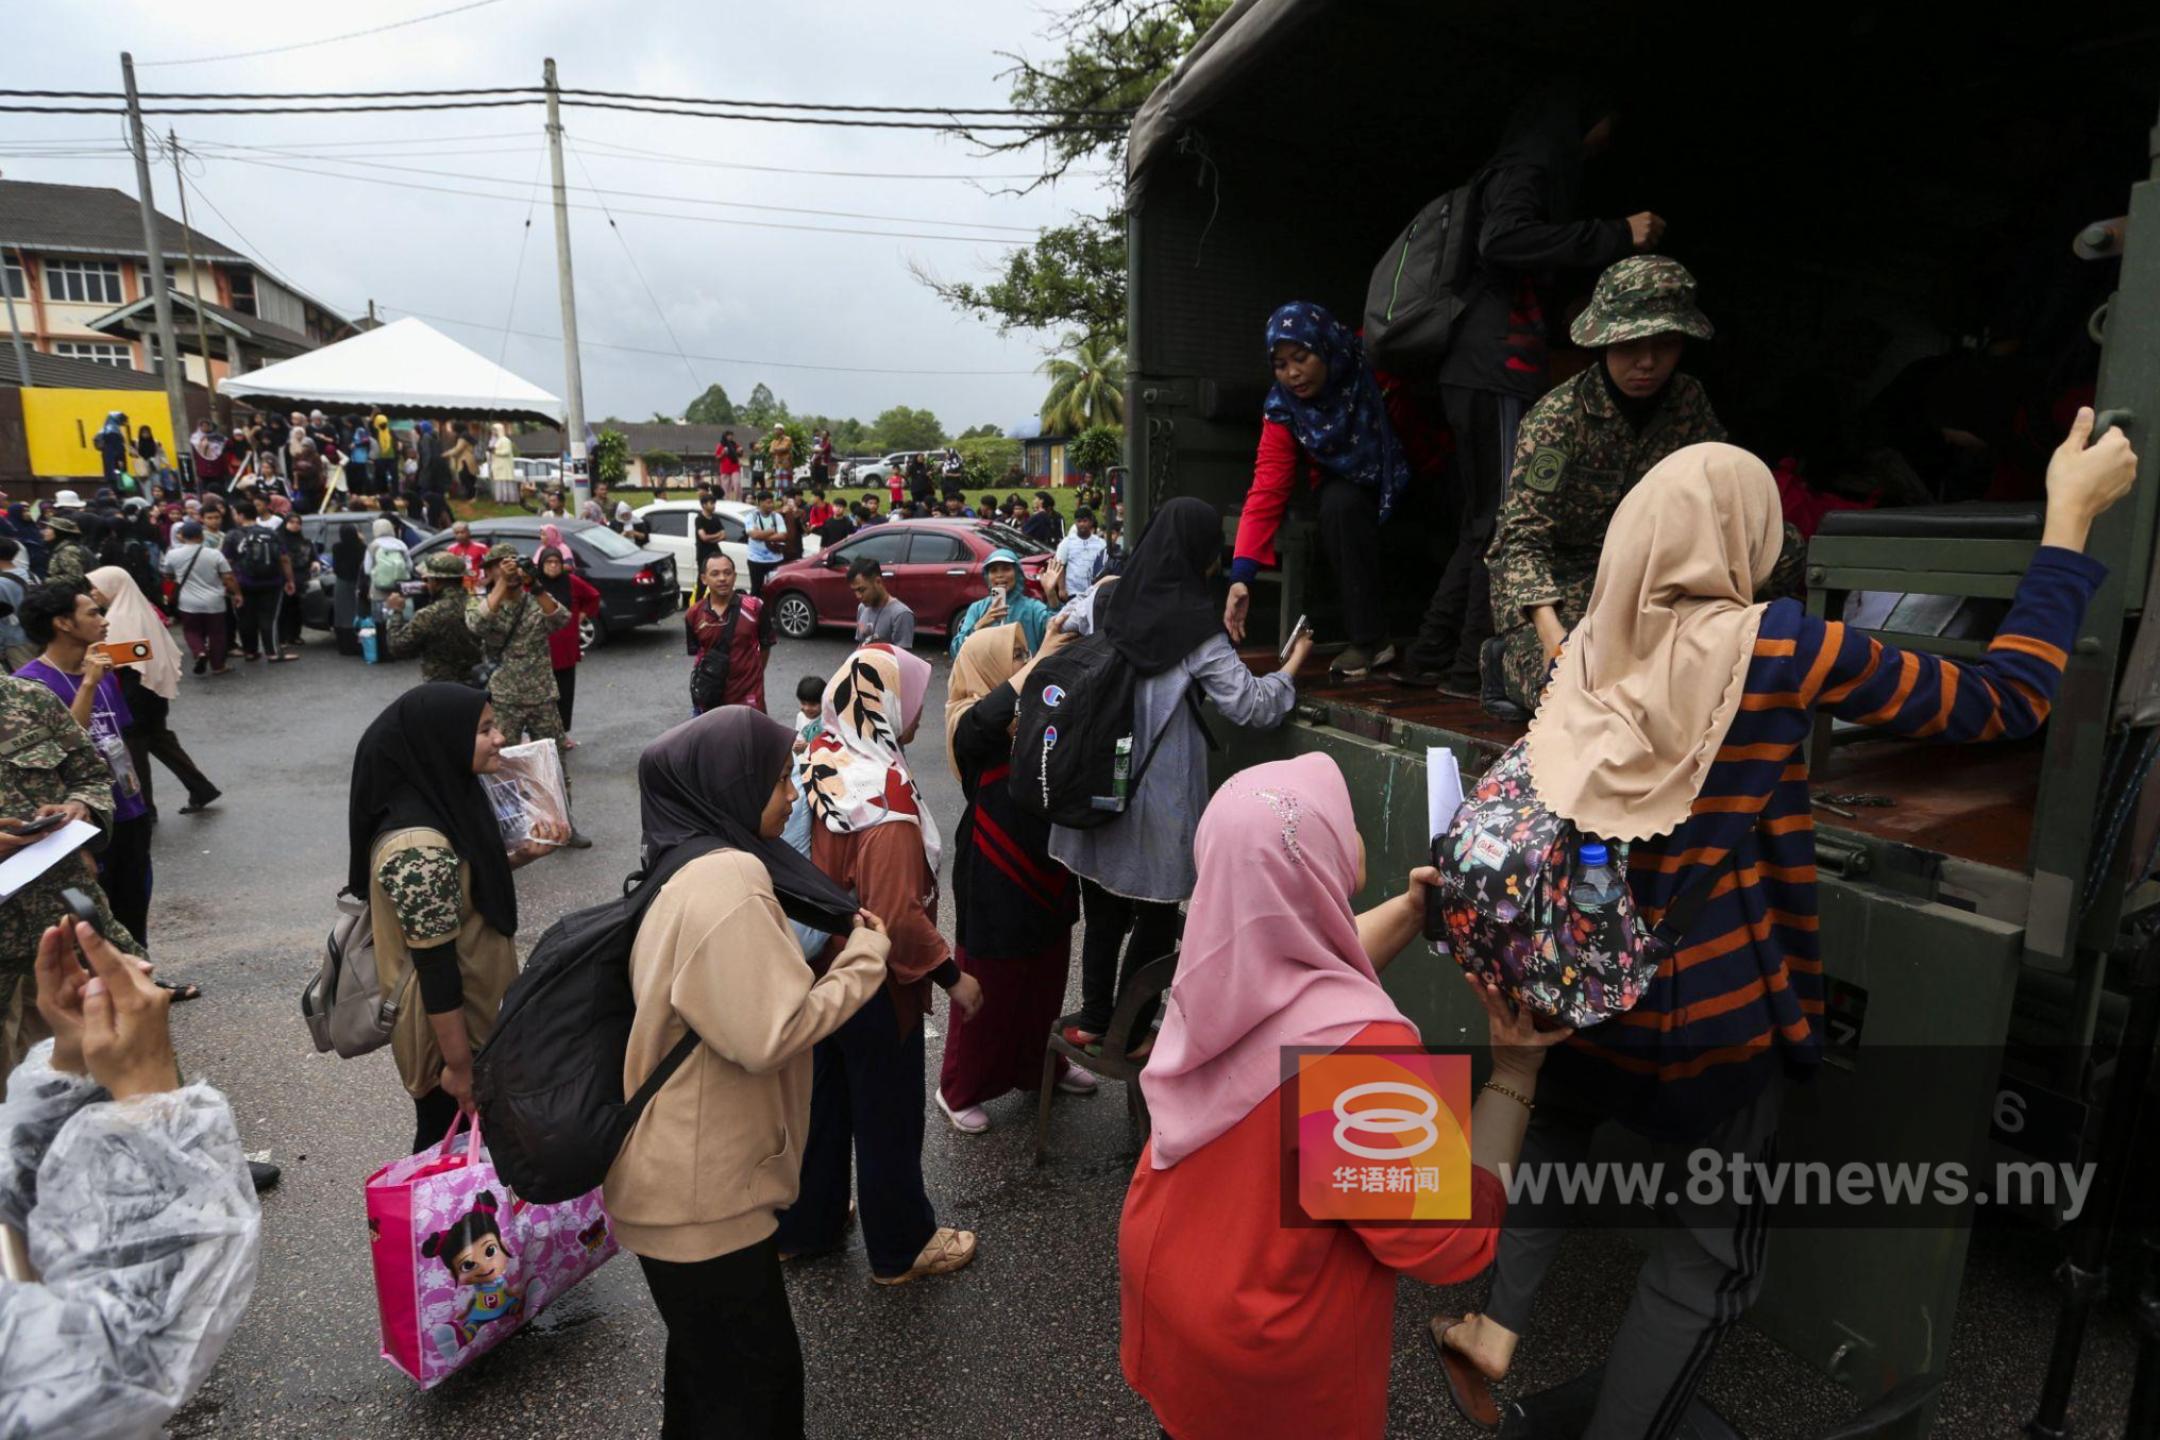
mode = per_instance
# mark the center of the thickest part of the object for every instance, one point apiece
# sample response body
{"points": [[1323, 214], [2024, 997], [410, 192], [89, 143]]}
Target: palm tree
{"points": [[1087, 385]]}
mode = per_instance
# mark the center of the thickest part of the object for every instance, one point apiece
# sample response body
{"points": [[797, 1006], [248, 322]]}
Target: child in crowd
{"points": [[809, 698]]}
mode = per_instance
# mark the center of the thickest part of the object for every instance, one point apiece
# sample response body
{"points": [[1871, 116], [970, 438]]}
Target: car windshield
{"points": [[608, 543], [1013, 540]]}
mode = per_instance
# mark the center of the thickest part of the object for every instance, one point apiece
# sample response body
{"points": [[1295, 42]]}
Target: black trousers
{"points": [[432, 1114], [866, 1096], [288, 623], [566, 692], [146, 740], [124, 876], [759, 569], [1153, 927], [259, 607], [1459, 617], [734, 1365], [1350, 536]]}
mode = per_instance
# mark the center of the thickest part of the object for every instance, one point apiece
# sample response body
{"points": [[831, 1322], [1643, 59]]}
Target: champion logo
{"points": [[1049, 736], [1053, 696]]}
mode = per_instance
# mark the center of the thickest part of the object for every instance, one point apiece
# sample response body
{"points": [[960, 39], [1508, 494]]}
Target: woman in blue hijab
{"points": [[1326, 418]]}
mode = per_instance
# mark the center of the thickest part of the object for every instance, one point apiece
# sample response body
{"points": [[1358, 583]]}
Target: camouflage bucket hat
{"points": [[442, 565], [63, 524], [1638, 297], [497, 553]]}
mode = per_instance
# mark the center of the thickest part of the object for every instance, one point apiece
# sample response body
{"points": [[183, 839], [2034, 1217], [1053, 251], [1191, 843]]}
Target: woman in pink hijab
{"points": [[1234, 1323], [551, 539]]}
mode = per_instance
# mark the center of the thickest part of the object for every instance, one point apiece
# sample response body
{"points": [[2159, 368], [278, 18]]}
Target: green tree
{"points": [[1112, 55], [1096, 449], [761, 410], [611, 456], [659, 464], [981, 432], [987, 458], [711, 408], [1087, 385], [901, 428]]}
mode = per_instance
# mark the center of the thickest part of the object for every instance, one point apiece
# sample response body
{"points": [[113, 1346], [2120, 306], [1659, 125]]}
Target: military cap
{"points": [[1638, 297], [63, 524], [442, 565], [497, 553]]}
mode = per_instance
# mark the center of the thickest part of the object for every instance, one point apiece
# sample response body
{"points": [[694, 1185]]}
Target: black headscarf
{"points": [[712, 776], [414, 767], [349, 554], [559, 586], [1162, 607]]}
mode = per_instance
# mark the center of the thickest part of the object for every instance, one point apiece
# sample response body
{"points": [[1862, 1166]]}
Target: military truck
{"points": [[1856, 187]]}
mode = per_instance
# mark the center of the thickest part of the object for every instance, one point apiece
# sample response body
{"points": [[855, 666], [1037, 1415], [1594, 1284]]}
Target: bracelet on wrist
{"points": [[1511, 1093]]}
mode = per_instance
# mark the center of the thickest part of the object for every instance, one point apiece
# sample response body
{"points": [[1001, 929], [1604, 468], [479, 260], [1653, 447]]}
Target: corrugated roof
{"points": [[64, 372], [91, 220], [136, 316]]}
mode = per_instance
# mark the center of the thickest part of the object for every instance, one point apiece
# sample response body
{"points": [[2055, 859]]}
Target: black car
{"points": [[637, 586], [317, 600]]}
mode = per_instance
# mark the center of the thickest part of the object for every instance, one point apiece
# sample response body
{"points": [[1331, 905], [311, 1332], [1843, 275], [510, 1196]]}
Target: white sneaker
{"points": [[969, 1120], [1076, 1081]]}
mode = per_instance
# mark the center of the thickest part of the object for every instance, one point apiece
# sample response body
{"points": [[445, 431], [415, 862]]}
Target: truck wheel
{"points": [[795, 616]]}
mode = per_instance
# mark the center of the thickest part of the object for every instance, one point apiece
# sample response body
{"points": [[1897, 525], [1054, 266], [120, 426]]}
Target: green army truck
{"points": [[1857, 188]]}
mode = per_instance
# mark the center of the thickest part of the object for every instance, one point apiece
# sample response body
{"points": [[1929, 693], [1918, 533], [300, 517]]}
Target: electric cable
{"points": [[658, 309]]}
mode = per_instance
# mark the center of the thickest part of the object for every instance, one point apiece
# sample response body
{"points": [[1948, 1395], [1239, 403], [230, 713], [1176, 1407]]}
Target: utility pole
{"points": [[187, 238], [573, 373], [22, 351], [153, 246]]}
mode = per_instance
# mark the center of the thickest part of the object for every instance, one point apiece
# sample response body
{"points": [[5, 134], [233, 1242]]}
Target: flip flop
{"points": [[182, 992], [1466, 1384]]}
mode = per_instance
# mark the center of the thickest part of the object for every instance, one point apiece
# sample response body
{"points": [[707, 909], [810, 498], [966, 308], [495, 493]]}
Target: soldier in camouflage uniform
{"points": [[513, 623], [47, 763], [1583, 447], [446, 645], [71, 558]]}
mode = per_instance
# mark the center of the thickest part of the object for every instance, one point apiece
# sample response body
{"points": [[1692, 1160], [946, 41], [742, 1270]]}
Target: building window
{"points": [[95, 282], [117, 356], [17, 285], [243, 292]]}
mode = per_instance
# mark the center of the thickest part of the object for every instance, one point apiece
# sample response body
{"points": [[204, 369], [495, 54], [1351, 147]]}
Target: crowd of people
{"points": [[314, 458]]}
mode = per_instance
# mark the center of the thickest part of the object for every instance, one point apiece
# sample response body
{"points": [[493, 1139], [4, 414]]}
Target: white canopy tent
{"points": [[406, 366]]}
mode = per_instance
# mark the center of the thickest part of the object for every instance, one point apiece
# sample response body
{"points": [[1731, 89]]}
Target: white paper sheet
{"points": [[34, 859], [1443, 789]]}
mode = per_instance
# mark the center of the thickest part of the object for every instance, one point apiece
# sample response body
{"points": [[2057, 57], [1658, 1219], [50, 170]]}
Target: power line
{"points": [[191, 96], [622, 240], [413, 106], [844, 109], [309, 44]]}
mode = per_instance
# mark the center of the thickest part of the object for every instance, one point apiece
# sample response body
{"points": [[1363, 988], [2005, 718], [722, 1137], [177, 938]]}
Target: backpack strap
{"points": [[644, 889], [1687, 906], [1154, 746]]}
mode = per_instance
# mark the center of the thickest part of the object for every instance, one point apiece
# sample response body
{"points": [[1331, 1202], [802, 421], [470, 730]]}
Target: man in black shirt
{"points": [[1044, 527]]}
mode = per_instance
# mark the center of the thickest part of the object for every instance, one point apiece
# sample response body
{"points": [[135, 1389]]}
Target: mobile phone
{"points": [[1297, 632], [123, 652], [40, 825]]}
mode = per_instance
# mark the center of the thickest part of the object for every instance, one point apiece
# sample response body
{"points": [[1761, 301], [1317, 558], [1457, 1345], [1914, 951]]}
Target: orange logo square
{"points": [[1381, 1134]]}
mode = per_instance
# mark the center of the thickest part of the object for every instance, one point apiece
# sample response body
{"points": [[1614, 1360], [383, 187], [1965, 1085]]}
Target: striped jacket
{"points": [[1744, 990]]}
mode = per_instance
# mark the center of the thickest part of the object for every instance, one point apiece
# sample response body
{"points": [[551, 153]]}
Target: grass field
{"points": [[1067, 500]]}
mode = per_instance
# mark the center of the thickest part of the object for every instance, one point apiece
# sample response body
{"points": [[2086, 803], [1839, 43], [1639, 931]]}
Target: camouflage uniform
{"points": [[1576, 456], [70, 558], [45, 759], [438, 634], [516, 635]]}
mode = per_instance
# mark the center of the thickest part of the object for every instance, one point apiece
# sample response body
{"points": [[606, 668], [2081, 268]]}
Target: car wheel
{"points": [[591, 633], [952, 626], [795, 616]]}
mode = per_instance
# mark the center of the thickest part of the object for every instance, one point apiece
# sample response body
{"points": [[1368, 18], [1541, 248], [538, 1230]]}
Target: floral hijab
{"points": [[1345, 428], [857, 769]]}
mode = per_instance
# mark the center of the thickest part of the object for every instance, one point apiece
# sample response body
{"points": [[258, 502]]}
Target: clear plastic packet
{"points": [[529, 788]]}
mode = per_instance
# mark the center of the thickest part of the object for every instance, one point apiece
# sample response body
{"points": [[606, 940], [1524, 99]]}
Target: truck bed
{"points": [[1974, 802]]}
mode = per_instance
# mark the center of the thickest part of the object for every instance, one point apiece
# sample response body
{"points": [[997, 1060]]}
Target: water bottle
{"points": [[367, 639], [1594, 893]]}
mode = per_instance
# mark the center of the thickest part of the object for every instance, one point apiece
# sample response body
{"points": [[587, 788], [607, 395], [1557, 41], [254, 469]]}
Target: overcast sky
{"points": [[347, 231]]}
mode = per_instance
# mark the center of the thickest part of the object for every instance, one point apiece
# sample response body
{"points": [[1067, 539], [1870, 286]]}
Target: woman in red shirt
{"points": [[1236, 1324], [566, 646]]}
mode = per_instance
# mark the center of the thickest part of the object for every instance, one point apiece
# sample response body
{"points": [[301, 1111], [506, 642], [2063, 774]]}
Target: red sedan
{"points": [[936, 566]]}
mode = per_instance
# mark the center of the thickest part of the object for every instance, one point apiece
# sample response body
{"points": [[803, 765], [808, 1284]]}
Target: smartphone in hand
{"points": [[83, 908], [1297, 632], [39, 825]]}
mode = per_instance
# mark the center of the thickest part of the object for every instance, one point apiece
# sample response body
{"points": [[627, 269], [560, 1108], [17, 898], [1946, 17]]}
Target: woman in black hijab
{"points": [[1163, 606], [348, 559], [426, 851], [718, 974]]}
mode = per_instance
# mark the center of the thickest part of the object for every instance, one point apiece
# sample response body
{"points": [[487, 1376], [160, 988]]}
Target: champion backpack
{"points": [[1420, 287], [1073, 762], [256, 554], [1504, 911], [549, 1080]]}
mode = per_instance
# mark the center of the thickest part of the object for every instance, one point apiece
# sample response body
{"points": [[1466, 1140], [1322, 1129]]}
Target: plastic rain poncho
{"points": [[143, 1222]]}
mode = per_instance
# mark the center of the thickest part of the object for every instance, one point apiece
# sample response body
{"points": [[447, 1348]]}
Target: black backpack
{"points": [[255, 556], [549, 1080], [1420, 287], [1072, 760]]}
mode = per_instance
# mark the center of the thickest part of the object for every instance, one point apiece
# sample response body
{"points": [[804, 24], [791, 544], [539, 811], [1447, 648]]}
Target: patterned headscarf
{"points": [[1345, 428], [857, 768]]}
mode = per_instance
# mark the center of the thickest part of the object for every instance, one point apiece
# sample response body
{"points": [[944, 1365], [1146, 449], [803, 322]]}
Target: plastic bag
{"points": [[528, 788]]}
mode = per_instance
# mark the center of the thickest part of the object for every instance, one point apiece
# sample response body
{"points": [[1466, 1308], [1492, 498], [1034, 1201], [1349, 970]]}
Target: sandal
{"points": [[1467, 1386], [1081, 1039], [181, 992], [948, 1250]]}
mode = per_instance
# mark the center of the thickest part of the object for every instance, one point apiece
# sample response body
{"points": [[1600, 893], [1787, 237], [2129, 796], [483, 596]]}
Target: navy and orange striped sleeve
{"points": [[2004, 696]]}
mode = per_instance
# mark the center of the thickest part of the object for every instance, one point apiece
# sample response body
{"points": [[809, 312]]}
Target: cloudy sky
{"points": [[426, 213]]}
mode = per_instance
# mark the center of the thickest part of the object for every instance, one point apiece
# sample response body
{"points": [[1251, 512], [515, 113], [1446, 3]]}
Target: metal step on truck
{"points": [[1881, 204]]}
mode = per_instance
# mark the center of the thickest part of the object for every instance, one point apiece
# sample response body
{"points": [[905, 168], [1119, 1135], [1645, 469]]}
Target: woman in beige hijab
{"points": [[1675, 727], [148, 687]]}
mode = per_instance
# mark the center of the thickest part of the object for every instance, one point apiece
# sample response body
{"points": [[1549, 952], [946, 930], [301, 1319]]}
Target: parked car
{"points": [[317, 597], [537, 470], [936, 566], [876, 472], [637, 586], [673, 527]]}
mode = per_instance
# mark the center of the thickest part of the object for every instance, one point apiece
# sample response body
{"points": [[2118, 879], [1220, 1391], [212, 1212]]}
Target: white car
{"points": [[673, 526], [537, 470], [876, 472]]}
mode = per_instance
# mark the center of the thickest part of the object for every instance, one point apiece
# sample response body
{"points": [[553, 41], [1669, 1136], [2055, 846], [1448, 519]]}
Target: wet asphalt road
{"points": [[1024, 1343]]}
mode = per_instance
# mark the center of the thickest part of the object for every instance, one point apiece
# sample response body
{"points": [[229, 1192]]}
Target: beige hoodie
{"points": [[719, 1149]]}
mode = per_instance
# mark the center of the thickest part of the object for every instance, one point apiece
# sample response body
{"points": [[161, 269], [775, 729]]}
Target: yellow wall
{"points": [[61, 426]]}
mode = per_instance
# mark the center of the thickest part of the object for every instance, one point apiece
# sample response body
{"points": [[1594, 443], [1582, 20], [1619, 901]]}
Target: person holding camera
{"points": [[512, 619], [134, 1194], [438, 634]]}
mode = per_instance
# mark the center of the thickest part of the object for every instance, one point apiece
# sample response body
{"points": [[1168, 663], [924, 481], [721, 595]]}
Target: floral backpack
{"points": [[1503, 910]]}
